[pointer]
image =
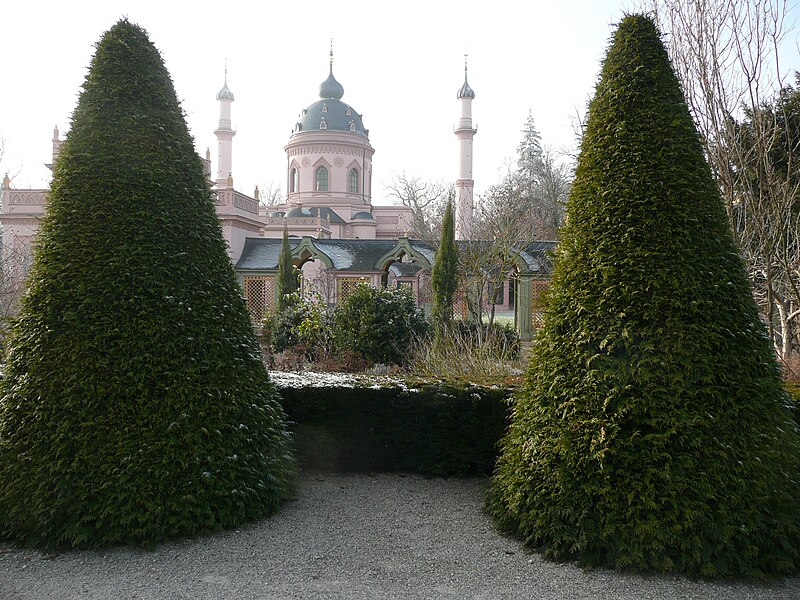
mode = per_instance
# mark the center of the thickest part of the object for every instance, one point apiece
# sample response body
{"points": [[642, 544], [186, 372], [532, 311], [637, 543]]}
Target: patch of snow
{"points": [[286, 379], [341, 257]]}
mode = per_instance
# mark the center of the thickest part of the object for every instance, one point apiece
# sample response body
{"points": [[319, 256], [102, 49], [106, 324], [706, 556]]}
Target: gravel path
{"points": [[349, 536]]}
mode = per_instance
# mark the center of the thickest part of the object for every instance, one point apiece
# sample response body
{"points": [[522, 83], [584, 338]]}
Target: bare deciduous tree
{"points": [[269, 195], [13, 267], [501, 228], [427, 198], [726, 53]]}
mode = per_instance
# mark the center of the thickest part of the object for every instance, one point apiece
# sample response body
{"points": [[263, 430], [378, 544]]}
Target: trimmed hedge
{"points": [[134, 405], [652, 431], [429, 428], [794, 394]]}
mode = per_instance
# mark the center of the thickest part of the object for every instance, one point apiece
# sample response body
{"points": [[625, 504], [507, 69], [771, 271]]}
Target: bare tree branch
{"points": [[428, 199]]}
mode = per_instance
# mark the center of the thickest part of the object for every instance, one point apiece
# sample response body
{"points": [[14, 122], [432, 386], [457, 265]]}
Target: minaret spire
{"points": [[57, 141], [225, 134], [464, 184]]}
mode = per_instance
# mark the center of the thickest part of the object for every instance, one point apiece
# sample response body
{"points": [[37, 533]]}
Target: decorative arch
{"points": [[322, 178], [294, 177], [401, 249], [360, 183], [306, 251]]}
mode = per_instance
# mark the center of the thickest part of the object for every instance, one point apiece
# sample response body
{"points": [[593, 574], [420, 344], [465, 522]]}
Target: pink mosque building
{"points": [[338, 237]]}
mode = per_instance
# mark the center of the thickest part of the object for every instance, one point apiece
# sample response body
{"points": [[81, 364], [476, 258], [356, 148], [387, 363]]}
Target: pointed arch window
{"points": [[352, 126], [323, 124], [352, 182], [321, 179], [293, 180]]}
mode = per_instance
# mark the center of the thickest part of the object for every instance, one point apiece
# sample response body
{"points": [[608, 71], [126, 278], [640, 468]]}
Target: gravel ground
{"points": [[349, 536]]}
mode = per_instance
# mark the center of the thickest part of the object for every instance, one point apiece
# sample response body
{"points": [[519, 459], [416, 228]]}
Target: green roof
{"points": [[261, 254]]}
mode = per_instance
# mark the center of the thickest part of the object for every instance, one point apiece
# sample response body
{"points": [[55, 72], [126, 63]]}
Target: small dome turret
{"points": [[225, 93], [465, 91], [299, 211], [330, 88]]}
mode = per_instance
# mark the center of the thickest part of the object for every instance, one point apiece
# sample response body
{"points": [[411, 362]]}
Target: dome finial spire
{"points": [[465, 91], [225, 93], [330, 88]]}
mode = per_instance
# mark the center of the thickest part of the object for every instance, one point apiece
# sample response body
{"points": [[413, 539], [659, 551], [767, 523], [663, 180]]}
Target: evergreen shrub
{"points": [[134, 405], [380, 324], [286, 279], [794, 393], [378, 426], [444, 275], [652, 431], [303, 323]]}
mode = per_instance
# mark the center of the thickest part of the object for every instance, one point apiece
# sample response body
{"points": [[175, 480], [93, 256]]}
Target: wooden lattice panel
{"points": [[259, 293], [347, 285], [424, 291], [460, 307], [538, 287]]}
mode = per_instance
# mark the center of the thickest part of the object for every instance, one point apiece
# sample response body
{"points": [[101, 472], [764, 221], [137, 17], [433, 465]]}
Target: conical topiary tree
{"points": [[286, 280], [444, 275], [134, 404], [652, 431]]}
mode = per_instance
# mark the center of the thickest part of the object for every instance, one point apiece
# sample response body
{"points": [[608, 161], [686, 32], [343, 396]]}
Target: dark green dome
{"points": [[330, 88], [330, 112], [299, 211]]}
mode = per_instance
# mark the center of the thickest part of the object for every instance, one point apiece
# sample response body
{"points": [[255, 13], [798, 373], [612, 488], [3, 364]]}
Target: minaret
{"points": [[57, 141], [464, 184], [225, 135]]}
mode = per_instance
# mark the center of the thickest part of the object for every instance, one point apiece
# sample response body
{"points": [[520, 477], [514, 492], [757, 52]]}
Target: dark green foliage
{"points": [[432, 429], [776, 126], [378, 323], [444, 276], [135, 406], [652, 431], [794, 394], [302, 323], [286, 280]]}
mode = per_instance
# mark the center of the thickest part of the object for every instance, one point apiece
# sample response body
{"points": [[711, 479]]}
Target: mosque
{"points": [[339, 238]]}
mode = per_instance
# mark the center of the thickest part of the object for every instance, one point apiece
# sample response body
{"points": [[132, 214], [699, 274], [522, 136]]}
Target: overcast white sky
{"points": [[401, 64]]}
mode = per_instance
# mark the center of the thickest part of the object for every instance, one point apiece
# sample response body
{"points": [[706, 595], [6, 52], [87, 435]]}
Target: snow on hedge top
{"points": [[285, 379]]}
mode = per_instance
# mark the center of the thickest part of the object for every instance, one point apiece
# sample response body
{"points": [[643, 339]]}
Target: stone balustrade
{"points": [[297, 221], [24, 198], [235, 199]]}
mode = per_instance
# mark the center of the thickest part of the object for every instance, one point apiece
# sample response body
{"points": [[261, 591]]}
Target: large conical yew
{"points": [[652, 431], [134, 404]]}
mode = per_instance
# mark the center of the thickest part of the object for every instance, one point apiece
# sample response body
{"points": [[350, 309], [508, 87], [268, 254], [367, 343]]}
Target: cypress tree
{"points": [[286, 281], [444, 275], [134, 404], [652, 431]]}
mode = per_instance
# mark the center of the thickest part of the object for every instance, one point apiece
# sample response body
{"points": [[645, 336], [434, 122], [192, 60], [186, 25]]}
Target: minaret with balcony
{"points": [[237, 212], [225, 134], [465, 183]]}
